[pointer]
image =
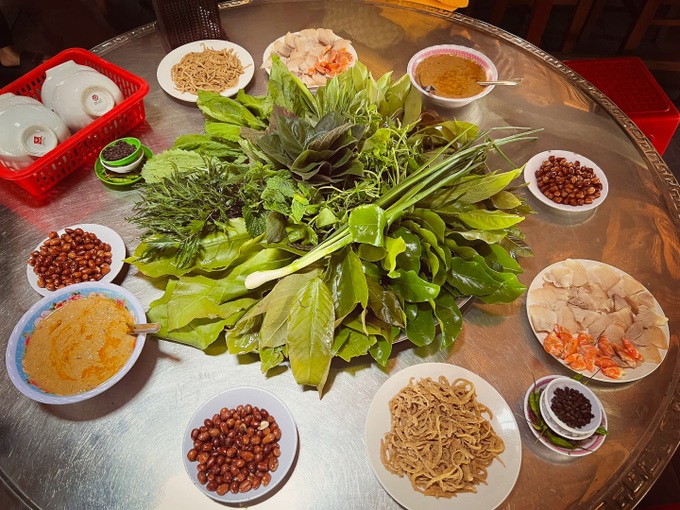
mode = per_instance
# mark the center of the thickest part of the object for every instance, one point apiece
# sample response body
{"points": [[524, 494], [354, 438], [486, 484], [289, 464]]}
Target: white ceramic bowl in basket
{"points": [[459, 51]]}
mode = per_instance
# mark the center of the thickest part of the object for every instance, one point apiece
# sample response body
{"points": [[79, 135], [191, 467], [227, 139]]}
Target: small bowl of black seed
{"points": [[571, 409], [122, 155]]}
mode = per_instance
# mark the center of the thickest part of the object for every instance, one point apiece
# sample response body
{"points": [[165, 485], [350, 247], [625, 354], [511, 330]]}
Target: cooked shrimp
{"points": [[576, 361], [631, 350], [624, 355], [613, 372], [553, 344], [585, 339], [605, 346], [604, 362]]}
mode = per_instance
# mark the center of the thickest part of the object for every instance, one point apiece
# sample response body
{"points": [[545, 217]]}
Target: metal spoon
{"points": [[514, 81], [430, 89], [149, 328]]}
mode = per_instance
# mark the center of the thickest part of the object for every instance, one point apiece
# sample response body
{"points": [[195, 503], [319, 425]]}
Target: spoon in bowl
{"points": [[430, 89], [514, 81]]}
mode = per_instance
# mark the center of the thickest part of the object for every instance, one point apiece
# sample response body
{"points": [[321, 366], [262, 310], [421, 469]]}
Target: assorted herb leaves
{"points": [[327, 225]]}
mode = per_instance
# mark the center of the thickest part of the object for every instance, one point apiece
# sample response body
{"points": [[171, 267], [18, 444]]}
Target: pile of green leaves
{"points": [[329, 225]]}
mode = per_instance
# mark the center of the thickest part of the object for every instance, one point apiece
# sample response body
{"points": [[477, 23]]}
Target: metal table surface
{"points": [[122, 448]]}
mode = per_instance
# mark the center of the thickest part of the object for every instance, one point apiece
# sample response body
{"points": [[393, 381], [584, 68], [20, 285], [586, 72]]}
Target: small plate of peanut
{"points": [[240, 445], [80, 253], [566, 181]]}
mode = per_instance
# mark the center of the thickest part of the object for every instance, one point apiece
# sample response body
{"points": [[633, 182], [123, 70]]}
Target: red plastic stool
{"points": [[629, 84]]}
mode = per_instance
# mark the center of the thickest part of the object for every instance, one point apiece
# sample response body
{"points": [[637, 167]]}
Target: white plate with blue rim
{"points": [[16, 347]]}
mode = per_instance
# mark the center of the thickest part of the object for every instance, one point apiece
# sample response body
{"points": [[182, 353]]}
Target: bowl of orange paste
{"points": [[75, 343]]}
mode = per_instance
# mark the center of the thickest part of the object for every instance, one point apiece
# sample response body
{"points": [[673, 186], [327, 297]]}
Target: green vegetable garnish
{"points": [[318, 225]]}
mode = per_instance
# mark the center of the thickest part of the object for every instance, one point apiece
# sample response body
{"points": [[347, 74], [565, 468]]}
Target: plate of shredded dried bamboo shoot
{"points": [[214, 65], [441, 437]]}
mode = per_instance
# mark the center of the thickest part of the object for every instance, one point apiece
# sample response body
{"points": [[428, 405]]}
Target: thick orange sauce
{"points": [[451, 76], [79, 345]]}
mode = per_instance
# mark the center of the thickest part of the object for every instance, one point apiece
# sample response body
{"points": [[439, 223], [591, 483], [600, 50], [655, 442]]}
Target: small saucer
{"points": [[584, 446], [121, 179]]}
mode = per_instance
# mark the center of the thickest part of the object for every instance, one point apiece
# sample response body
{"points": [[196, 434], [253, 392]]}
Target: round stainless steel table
{"points": [[122, 449]]}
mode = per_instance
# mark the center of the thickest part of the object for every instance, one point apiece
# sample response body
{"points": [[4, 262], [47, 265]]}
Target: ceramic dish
{"points": [[121, 179], [630, 374], [266, 56], [164, 72], [555, 422], [232, 398], [22, 331], [459, 51], [122, 162], [124, 169], [501, 477], [584, 447], [105, 235], [535, 163]]}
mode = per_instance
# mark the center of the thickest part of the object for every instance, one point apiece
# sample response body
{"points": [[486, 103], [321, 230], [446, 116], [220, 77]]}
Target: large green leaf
{"points": [[271, 357], [486, 186], [347, 282], [382, 349], [310, 334], [357, 344], [384, 304], [274, 331], [412, 287], [420, 323], [489, 220], [367, 224], [409, 259], [431, 221], [191, 299], [449, 317], [475, 278]]}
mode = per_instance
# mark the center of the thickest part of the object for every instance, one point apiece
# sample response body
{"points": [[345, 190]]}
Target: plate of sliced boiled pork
{"points": [[597, 320]]}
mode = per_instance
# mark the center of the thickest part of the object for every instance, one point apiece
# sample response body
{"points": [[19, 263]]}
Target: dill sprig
{"points": [[182, 208]]}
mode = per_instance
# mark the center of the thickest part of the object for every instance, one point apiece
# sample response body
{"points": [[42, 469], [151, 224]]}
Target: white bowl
{"points": [[459, 51], [125, 168], [28, 130], [556, 424], [232, 398], [535, 163], [17, 342], [79, 94]]}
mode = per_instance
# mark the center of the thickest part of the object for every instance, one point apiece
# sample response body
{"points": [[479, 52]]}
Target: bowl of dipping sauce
{"points": [[75, 343], [453, 72]]}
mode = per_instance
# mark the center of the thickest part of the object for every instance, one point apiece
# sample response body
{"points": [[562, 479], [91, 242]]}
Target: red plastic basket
{"points": [[84, 146], [628, 82]]}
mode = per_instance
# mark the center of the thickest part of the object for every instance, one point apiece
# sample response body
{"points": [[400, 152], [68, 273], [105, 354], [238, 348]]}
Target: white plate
{"points": [[105, 235], [232, 398], [17, 342], [586, 446], [269, 49], [164, 72], [535, 163], [501, 478], [630, 374]]}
